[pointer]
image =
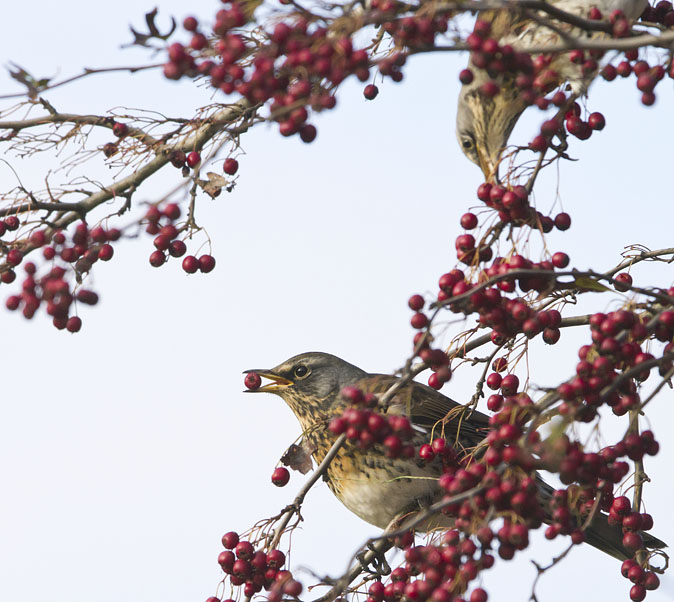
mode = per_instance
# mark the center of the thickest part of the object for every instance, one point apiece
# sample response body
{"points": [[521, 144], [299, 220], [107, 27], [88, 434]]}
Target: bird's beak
{"points": [[278, 382], [489, 164]]}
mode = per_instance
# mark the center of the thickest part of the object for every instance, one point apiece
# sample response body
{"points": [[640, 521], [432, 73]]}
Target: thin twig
{"points": [[299, 498]]}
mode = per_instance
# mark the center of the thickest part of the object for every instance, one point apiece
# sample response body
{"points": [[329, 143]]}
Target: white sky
{"points": [[129, 449]]}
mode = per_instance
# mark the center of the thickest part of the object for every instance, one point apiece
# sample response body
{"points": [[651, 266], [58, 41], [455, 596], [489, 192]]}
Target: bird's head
{"points": [[309, 382], [484, 124]]}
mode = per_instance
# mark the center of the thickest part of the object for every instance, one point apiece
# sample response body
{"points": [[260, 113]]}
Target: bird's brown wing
{"points": [[431, 410], [505, 23]]}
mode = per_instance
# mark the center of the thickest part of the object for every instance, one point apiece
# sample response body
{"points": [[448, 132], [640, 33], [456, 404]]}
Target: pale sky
{"points": [[129, 448]]}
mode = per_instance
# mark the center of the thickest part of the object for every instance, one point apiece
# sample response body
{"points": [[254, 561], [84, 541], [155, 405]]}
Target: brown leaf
{"points": [[214, 185], [298, 457], [142, 39]]}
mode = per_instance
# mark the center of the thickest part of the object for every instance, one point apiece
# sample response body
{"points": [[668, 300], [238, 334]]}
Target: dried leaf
{"points": [[214, 185], [141, 39], [298, 457]]}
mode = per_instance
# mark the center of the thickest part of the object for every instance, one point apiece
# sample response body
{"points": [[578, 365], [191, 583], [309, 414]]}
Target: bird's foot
{"points": [[376, 565]]}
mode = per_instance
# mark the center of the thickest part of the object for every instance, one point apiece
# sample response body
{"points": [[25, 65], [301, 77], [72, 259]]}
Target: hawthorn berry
{"points": [[231, 166], [206, 263], [280, 477], [157, 259], [622, 282], [252, 381], [193, 159], [370, 92], [120, 129], [74, 324], [190, 264]]}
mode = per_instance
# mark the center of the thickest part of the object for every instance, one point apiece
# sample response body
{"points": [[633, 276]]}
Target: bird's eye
{"points": [[467, 143], [301, 371]]}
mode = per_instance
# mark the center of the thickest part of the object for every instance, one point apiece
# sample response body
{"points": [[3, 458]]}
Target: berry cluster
{"points": [[440, 573], [255, 569], [167, 243], [296, 65], [366, 427], [76, 256], [617, 339], [513, 207], [506, 317], [647, 76]]}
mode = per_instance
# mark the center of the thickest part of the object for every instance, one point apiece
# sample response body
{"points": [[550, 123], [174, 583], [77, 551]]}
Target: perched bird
{"points": [[484, 119], [377, 488]]}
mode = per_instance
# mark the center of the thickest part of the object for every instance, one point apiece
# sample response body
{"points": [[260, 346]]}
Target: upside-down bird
{"points": [[487, 114], [378, 488]]}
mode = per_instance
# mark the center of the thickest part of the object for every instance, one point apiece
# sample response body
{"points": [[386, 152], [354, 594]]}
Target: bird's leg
{"points": [[378, 557], [380, 566]]}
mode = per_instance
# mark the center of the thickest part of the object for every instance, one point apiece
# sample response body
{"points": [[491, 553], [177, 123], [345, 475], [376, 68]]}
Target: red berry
{"points": [[193, 159], [415, 302], [177, 248], [172, 211], [8, 277], [106, 252], [637, 593], [419, 321], [563, 221], [468, 221], [596, 121], [494, 381], [157, 258], [230, 540], [495, 403], [14, 257], [632, 541], [478, 595], [74, 324], [560, 260], [465, 76], [244, 550], [308, 133], [510, 384], [161, 242], [190, 24], [231, 166], [38, 238], [622, 282], [120, 129], [206, 263], [190, 264], [13, 302], [370, 92], [252, 381], [226, 561], [12, 222], [280, 476], [489, 89]]}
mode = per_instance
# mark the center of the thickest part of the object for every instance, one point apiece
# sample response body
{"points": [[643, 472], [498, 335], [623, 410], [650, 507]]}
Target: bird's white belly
{"points": [[378, 499]]}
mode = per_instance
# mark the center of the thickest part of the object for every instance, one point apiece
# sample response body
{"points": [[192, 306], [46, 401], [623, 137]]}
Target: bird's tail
{"points": [[600, 534], [609, 538]]}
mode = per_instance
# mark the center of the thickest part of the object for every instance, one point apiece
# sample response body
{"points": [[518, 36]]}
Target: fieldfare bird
{"points": [[378, 488], [484, 122]]}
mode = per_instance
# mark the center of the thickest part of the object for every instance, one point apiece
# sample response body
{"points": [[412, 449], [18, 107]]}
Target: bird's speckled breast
{"points": [[376, 488]]}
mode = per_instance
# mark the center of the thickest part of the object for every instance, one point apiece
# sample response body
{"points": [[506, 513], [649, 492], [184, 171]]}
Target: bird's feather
{"points": [[431, 410]]}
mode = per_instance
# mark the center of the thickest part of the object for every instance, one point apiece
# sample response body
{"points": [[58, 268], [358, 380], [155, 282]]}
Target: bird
{"points": [[484, 121], [381, 489]]}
